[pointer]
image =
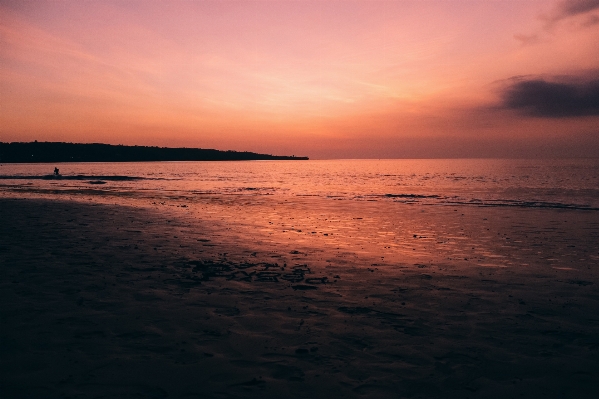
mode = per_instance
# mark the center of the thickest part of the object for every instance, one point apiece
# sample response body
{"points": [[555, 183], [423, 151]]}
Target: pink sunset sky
{"points": [[325, 79]]}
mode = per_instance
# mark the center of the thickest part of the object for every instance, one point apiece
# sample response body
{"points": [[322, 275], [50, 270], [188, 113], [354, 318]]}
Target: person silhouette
{"points": [[56, 172]]}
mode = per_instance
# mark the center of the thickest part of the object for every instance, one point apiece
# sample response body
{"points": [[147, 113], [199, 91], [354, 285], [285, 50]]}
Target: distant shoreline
{"points": [[52, 152]]}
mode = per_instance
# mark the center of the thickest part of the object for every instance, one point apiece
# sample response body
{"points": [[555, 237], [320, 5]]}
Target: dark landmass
{"points": [[39, 152]]}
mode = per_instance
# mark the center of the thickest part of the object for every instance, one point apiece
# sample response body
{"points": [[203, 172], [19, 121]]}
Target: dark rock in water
{"points": [[97, 182], [293, 277], [316, 280]]}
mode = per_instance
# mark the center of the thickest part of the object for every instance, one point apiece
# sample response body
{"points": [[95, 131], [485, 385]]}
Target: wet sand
{"points": [[101, 300]]}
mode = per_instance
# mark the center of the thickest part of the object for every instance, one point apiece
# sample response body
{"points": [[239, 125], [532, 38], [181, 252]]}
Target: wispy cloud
{"points": [[572, 8], [579, 14], [527, 39], [556, 98], [592, 20]]}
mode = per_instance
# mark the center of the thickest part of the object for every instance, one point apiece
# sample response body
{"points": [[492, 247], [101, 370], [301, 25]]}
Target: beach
{"points": [[104, 298], [317, 199]]}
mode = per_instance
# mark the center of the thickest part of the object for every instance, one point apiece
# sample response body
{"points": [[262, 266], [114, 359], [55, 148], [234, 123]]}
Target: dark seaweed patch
{"points": [[303, 287]]}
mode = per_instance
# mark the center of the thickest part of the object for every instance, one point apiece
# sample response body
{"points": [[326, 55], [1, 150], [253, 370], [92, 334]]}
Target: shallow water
{"points": [[496, 213], [521, 183]]}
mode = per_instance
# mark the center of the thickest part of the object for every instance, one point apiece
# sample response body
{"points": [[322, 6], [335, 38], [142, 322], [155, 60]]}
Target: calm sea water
{"points": [[514, 183], [497, 213]]}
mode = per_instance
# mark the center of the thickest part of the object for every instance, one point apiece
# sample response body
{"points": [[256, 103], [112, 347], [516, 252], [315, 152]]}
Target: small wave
{"points": [[259, 190], [410, 196], [523, 204], [75, 177], [434, 199]]}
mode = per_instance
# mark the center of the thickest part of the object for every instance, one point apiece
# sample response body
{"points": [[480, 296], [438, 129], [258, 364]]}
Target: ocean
{"points": [[558, 184], [484, 212]]}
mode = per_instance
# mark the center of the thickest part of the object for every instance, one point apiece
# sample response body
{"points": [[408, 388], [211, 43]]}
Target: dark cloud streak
{"points": [[527, 39], [570, 8], [592, 20], [541, 98]]}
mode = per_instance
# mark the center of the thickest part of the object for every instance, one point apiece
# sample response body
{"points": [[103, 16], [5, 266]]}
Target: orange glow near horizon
{"points": [[317, 78]]}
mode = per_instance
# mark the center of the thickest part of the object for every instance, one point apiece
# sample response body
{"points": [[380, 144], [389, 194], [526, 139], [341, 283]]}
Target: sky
{"points": [[324, 79]]}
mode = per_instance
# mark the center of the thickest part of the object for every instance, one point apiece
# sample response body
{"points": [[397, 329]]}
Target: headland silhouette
{"points": [[42, 152]]}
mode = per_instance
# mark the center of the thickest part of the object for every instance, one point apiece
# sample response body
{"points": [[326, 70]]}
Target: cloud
{"points": [[571, 8], [580, 13], [552, 99], [527, 39], [592, 20]]}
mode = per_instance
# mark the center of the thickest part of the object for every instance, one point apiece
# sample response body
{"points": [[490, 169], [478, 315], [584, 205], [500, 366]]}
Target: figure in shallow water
{"points": [[56, 172]]}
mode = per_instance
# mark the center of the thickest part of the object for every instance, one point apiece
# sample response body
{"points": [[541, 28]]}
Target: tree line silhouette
{"points": [[39, 152]]}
